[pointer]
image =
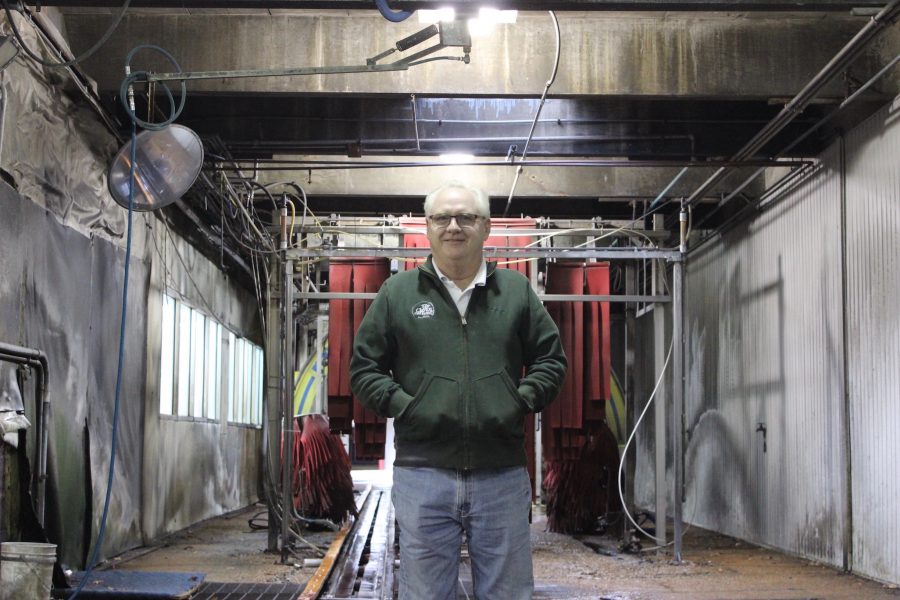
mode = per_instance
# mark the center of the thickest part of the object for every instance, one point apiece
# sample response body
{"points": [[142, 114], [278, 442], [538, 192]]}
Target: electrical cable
{"points": [[304, 200], [257, 290], [118, 395], [59, 65], [462, 587], [254, 521], [187, 272], [252, 225], [631, 437], [537, 114]]}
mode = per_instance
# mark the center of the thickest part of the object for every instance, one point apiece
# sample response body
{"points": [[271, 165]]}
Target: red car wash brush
{"points": [[326, 490]]}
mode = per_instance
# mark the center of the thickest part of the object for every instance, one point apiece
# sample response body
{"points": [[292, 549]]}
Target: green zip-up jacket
{"points": [[455, 386]]}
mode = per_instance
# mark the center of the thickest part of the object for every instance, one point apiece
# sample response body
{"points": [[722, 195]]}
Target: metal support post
{"points": [[659, 414], [678, 385], [628, 384], [287, 378], [272, 410], [538, 442]]}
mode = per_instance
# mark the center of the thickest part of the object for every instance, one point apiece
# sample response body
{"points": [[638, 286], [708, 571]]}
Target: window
{"points": [[167, 361], [194, 350], [245, 381]]}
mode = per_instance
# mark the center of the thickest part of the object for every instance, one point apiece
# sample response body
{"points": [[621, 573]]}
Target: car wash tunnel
{"points": [[207, 213]]}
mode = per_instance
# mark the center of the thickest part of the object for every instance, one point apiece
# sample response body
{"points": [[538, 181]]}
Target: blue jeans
{"points": [[434, 507]]}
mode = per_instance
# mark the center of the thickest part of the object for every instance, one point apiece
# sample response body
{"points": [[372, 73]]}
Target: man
{"points": [[442, 351]]}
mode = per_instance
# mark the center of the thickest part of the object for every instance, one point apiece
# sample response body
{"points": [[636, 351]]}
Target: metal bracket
{"points": [[450, 35]]}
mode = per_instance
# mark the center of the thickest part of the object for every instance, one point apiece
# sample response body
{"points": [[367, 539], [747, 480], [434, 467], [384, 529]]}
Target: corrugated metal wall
{"points": [[767, 423], [764, 376], [873, 340]]}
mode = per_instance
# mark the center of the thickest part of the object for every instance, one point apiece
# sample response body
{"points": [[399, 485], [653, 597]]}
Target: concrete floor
{"points": [[714, 568]]}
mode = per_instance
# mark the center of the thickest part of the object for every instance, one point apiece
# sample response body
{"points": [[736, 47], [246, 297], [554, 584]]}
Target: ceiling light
{"points": [[492, 15], [456, 158], [166, 164], [436, 16]]}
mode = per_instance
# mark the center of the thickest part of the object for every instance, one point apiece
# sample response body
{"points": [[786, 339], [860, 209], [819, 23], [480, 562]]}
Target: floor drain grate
{"points": [[248, 591]]}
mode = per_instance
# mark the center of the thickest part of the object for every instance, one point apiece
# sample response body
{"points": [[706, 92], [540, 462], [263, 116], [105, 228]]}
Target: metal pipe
{"points": [[272, 412], [659, 419], [286, 380], [542, 297], [809, 131], [793, 108], [565, 230], [412, 98], [678, 387], [316, 165], [558, 5], [556, 121], [667, 188], [36, 359], [392, 143], [622, 253]]}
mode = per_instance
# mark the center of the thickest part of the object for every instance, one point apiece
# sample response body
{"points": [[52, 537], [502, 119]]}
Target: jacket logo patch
{"points": [[423, 310]]}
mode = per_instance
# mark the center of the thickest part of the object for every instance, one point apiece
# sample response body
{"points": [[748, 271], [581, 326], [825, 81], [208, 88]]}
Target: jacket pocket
{"points": [[497, 407], [433, 413]]}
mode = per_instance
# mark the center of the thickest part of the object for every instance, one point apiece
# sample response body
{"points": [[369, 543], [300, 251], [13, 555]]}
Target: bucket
{"points": [[26, 570]]}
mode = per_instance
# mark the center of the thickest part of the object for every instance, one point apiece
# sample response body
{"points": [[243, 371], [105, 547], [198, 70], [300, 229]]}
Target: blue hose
{"points": [[115, 429], [390, 15]]}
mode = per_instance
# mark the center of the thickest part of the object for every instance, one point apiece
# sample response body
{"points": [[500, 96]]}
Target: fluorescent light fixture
{"points": [[436, 16], [492, 15], [479, 27], [456, 158]]}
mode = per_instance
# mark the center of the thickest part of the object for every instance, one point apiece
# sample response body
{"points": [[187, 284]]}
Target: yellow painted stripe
{"points": [[306, 384], [615, 411]]}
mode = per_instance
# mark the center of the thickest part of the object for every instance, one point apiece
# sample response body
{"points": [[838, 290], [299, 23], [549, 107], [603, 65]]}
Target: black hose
{"points": [[390, 15]]}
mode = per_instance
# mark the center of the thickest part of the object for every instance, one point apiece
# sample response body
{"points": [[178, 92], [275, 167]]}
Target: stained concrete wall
{"points": [[640, 54]]}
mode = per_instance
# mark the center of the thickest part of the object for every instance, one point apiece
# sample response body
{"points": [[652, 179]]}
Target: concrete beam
{"points": [[546, 182], [558, 5], [626, 54]]}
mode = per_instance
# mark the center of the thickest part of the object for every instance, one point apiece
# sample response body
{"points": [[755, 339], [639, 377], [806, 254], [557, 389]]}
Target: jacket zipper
{"points": [[468, 392], [442, 290]]}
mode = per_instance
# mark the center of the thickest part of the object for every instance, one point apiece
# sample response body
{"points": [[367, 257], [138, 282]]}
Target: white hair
{"points": [[482, 200]]}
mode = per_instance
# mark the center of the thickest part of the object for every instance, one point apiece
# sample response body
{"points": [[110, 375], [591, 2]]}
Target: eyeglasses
{"points": [[442, 220]]}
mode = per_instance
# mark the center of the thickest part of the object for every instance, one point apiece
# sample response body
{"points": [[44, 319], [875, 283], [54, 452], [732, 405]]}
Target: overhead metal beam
{"points": [[599, 253], [461, 5], [542, 297], [792, 109]]}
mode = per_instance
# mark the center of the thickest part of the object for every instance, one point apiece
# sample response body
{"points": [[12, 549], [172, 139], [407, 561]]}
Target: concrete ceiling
{"points": [[631, 86]]}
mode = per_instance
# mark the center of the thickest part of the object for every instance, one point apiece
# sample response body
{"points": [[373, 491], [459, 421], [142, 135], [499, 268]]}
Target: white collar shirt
{"points": [[461, 297]]}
